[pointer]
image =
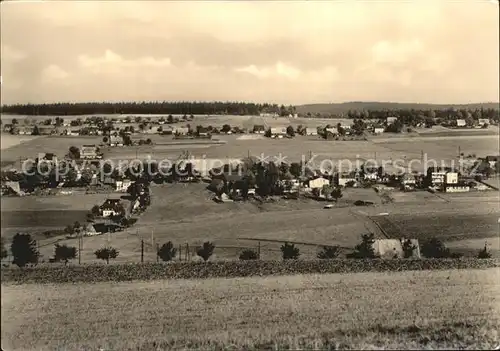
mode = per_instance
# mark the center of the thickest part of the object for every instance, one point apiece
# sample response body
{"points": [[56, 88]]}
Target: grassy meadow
{"points": [[455, 309]]}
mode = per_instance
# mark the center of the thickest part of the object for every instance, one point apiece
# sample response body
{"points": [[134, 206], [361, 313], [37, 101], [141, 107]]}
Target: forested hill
{"points": [[152, 107], [341, 108]]}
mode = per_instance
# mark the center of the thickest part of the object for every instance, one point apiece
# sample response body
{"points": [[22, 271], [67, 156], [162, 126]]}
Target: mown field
{"points": [[454, 309]]}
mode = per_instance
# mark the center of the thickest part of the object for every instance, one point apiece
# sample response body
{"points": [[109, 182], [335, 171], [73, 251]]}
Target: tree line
{"points": [[179, 107], [24, 251]]}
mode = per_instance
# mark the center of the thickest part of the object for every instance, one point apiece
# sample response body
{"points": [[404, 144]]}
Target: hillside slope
{"points": [[411, 310], [362, 105]]}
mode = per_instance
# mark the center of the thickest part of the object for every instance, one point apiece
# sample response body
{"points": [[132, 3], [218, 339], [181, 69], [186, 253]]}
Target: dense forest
{"points": [[195, 108]]}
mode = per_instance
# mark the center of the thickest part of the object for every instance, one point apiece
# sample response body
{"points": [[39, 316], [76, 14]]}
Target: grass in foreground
{"points": [[429, 309]]}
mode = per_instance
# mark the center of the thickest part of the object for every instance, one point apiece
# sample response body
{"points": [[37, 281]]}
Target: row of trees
{"points": [[180, 107], [24, 251]]}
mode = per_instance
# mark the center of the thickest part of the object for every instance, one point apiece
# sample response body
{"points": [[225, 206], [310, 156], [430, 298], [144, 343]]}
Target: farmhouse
{"points": [[115, 140], [442, 175], [332, 130], [111, 207], [259, 129], [393, 248], [378, 130], [311, 131], [483, 121], [492, 160], [181, 131], [347, 178], [457, 188], [278, 131], [122, 185], [88, 152], [461, 123], [391, 120], [317, 182]]}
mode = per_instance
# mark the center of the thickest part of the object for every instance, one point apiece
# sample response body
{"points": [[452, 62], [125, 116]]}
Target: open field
{"points": [[31, 213], [428, 309], [45, 144], [186, 214]]}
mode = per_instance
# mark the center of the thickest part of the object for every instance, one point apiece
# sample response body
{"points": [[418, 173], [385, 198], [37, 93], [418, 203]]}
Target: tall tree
{"points": [[24, 250]]}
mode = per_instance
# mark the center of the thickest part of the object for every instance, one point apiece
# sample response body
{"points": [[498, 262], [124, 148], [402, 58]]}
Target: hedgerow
{"points": [[199, 270]]}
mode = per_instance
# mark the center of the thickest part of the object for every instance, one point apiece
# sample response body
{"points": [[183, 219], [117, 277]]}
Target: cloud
{"points": [[111, 62], [280, 69], [285, 52], [53, 73], [10, 54]]}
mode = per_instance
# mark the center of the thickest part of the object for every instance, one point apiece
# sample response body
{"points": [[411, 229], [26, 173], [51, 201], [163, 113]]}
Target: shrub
{"points": [[248, 254], [24, 250], [364, 249], [106, 253], [329, 252], [290, 252], [3, 249], [167, 252], [435, 248], [484, 253], [64, 253], [206, 250], [408, 249]]}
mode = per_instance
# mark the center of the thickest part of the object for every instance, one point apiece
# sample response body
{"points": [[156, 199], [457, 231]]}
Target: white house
{"points": [[391, 120], [483, 121], [378, 130], [451, 178], [277, 131], [317, 183], [332, 130], [393, 248], [457, 188], [181, 130], [461, 123], [311, 131], [122, 185]]}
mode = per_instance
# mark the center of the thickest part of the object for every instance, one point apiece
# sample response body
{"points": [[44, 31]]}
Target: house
{"points": [[278, 131], [181, 130], [442, 175], [25, 130], [151, 130], [88, 152], [259, 129], [378, 130], [492, 160], [89, 230], [7, 128], [345, 178], [393, 248], [115, 140], [311, 131], [408, 179], [391, 120], [111, 207], [457, 188], [461, 123], [12, 188], [122, 185], [317, 182], [483, 121], [75, 132], [332, 130]]}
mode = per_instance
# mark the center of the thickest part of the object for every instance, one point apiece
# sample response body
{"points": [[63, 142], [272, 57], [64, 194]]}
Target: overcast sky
{"points": [[285, 52]]}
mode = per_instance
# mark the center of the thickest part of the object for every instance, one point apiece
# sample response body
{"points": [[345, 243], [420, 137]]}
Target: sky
{"points": [[291, 52]]}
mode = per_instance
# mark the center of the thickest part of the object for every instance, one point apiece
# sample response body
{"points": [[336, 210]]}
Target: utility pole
{"points": [[157, 251], [180, 252], [142, 251], [258, 251], [152, 238], [80, 249]]}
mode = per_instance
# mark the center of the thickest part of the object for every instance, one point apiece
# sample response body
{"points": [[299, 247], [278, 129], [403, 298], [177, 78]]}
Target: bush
{"points": [[435, 248], [408, 249], [24, 250], [198, 270], [206, 250], [484, 253], [167, 252], [290, 252], [106, 253], [329, 252], [248, 254], [365, 249]]}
